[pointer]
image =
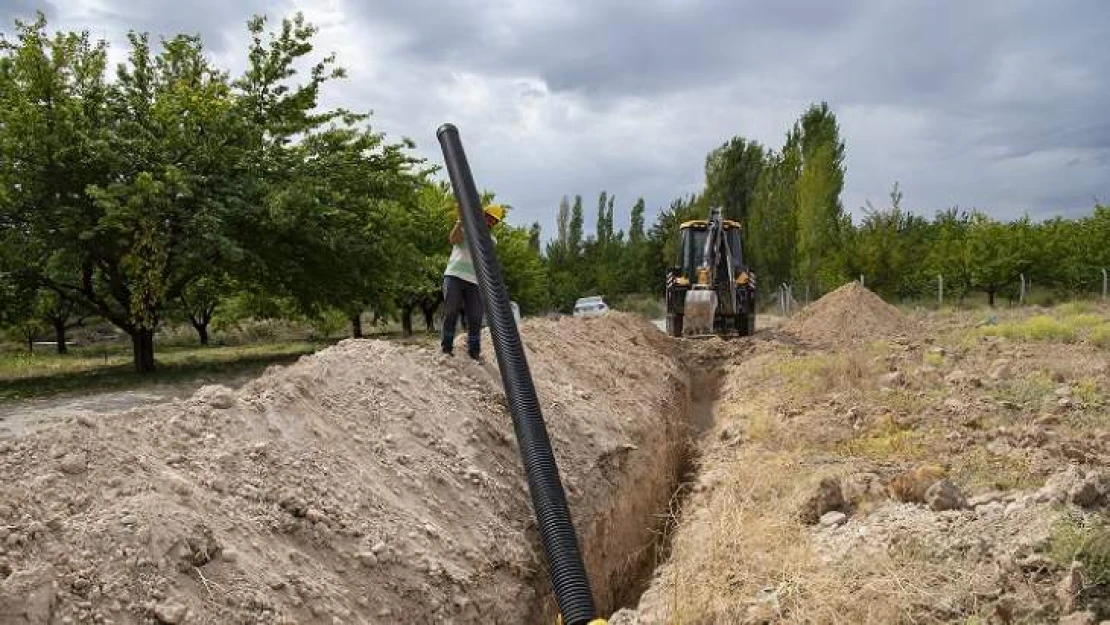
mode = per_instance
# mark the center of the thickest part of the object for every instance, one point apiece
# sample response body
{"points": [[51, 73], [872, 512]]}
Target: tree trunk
{"points": [[429, 317], [406, 320], [142, 348], [30, 344], [356, 326], [60, 334], [990, 297], [202, 331]]}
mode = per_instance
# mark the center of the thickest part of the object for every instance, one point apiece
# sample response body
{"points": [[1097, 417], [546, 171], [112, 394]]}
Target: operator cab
{"points": [[692, 248]]}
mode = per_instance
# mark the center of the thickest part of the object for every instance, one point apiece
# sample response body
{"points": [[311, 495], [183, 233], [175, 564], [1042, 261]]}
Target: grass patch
{"points": [[1100, 336], [886, 440], [1087, 391], [933, 359], [980, 470], [1036, 328], [826, 372], [41, 375], [1030, 389], [1077, 307], [1076, 538]]}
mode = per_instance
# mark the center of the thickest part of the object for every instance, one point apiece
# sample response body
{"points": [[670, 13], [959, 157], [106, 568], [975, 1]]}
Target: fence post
{"points": [[940, 290], [861, 283], [1021, 296], [807, 295], [1104, 283]]}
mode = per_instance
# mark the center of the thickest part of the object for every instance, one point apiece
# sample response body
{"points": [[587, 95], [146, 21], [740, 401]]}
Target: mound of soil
{"points": [[371, 482], [850, 314]]}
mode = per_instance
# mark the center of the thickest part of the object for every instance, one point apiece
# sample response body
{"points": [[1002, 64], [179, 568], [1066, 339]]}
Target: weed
{"points": [[1037, 328], [1100, 336], [1030, 389], [1084, 321], [1077, 538], [1087, 391], [1077, 307], [981, 470], [887, 440]]}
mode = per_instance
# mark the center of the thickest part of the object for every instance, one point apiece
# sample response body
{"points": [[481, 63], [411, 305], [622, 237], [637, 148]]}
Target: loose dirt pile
{"points": [[848, 315], [368, 483]]}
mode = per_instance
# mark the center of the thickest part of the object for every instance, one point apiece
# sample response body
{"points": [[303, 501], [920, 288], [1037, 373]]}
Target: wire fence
{"points": [[786, 304]]}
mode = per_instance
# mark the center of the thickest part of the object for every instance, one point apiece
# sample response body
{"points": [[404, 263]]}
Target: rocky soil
{"points": [[368, 483]]}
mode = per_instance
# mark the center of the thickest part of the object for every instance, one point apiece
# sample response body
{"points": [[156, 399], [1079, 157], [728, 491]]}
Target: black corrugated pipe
{"points": [[568, 573]]}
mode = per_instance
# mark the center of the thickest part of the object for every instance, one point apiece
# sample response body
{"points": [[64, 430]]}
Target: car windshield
{"points": [[585, 301]]}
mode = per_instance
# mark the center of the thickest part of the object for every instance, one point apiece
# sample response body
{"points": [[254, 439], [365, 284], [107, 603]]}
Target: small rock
{"points": [[85, 421], [171, 612], [893, 379], [1080, 618], [1000, 370], [833, 519], [74, 464], [1086, 494], [1067, 592], [229, 555], [625, 617], [367, 558], [1063, 391], [1065, 403], [378, 548], [827, 498], [315, 515], [944, 495]]}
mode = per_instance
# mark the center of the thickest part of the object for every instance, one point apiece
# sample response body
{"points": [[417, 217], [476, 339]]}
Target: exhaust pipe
{"points": [[570, 584]]}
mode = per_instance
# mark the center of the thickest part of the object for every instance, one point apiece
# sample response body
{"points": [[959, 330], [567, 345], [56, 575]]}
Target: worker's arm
{"points": [[456, 235]]}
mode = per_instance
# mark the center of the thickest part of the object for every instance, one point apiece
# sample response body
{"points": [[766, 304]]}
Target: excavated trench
{"points": [[625, 545]]}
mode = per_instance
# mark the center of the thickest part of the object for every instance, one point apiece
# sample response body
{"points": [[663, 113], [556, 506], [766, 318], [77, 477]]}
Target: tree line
{"points": [[172, 190]]}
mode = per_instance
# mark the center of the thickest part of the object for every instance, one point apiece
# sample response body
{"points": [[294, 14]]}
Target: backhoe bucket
{"points": [[700, 309]]}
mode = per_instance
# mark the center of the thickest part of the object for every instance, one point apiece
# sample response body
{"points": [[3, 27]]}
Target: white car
{"points": [[593, 306]]}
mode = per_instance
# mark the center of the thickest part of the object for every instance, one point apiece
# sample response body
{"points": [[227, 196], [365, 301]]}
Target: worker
{"points": [[460, 288]]}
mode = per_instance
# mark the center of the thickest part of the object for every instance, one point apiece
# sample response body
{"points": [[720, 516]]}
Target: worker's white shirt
{"points": [[461, 265]]}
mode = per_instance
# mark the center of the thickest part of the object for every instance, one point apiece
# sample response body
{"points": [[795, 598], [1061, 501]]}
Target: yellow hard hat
{"points": [[496, 211]]}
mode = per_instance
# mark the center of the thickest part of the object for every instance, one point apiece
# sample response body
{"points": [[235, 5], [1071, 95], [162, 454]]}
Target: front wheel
{"points": [[674, 324]]}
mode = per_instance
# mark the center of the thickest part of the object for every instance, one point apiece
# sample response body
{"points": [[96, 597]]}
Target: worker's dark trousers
{"points": [[460, 294]]}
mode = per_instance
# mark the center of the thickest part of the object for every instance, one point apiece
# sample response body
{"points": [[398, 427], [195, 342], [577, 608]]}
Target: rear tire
{"points": [[674, 324]]}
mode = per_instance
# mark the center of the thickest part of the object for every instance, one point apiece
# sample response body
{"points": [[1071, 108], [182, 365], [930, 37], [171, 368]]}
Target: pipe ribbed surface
{"points": [[569, 582]]}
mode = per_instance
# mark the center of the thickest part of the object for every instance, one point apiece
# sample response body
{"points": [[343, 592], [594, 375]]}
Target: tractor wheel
{"points": [[674, 324]]}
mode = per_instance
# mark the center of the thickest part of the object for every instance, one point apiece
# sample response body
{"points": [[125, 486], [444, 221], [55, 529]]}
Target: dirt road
{"points": [[24, 416]]}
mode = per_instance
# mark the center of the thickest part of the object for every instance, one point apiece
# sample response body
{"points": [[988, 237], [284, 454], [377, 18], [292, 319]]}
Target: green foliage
{"points": [[731, 174], [1078, 538], [131, 197]]}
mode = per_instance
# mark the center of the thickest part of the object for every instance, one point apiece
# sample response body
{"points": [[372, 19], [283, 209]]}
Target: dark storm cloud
{"points": [[995, 104]]}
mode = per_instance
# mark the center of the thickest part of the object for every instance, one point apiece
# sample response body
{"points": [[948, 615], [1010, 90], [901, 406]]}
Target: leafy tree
{"points": [[731, 174], [820, 216]]}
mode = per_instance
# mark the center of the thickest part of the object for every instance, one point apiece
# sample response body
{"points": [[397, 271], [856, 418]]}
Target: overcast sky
{"points": [[1002, 105]]}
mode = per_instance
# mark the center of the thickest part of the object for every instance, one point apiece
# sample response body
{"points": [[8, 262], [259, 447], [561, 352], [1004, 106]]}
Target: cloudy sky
{"points": [[1002, 105]]}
